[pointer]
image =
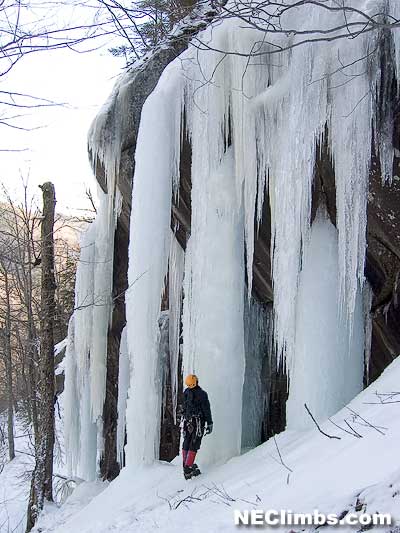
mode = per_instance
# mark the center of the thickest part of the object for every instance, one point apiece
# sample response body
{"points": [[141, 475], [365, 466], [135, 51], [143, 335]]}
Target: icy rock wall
{"points": [[259, 356], [328, 364]]}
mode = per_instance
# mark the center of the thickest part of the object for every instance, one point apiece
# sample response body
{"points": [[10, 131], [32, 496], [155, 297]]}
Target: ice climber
{"points": [[197, 421]]}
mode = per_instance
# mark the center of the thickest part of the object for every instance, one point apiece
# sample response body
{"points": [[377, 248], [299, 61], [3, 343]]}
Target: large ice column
{"points": [[327, 369], [84, 298], [213, 321], [80, 431], [157, 163]]}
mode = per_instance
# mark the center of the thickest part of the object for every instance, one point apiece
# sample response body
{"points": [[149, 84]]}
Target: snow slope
{"points": [[15, 476], [14, 491], [331, 475]]}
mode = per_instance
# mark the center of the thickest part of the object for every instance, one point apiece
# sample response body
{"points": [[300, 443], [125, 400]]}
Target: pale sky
{"points": [[57, 151]]}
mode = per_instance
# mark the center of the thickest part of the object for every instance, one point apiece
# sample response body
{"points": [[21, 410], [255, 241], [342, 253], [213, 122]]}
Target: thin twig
{"points": [[366, 421], [318, 427]]}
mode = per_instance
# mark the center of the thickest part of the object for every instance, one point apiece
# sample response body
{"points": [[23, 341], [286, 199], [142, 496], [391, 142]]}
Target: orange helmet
{"points": [[191, 381]]}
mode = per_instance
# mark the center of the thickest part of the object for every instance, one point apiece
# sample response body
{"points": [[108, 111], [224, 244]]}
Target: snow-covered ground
{"points": [[15, 476], [14, 483], [14, 491], [300, 471]]}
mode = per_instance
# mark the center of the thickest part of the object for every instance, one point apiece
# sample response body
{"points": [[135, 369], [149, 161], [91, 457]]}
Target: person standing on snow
{"points": [[196, 414]]}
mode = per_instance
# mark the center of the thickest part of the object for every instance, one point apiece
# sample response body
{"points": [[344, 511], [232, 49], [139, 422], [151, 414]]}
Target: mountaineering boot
{"points": [[195, 470], [187, 472]]}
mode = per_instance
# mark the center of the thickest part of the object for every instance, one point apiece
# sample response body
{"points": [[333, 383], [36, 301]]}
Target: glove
{"points": [[209, 429]]}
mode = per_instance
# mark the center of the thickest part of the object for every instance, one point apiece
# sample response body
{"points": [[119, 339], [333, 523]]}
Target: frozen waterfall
{"points": [[255, 125]]}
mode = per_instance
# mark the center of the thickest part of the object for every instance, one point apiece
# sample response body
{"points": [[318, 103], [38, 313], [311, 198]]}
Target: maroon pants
{"points": [[192, 435]]}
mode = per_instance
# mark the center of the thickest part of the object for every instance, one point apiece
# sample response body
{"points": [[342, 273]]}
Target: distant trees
{"points": [[20, 308], [18, 303], [5, 340]]}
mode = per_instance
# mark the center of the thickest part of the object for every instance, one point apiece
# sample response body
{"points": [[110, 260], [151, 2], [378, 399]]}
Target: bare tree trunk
{"points": [[42, 478], [8, 361]]}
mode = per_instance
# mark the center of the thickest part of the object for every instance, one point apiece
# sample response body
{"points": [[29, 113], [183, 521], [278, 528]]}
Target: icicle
{"points": [[84, 297], [123, 385], [350, 139], [188, 312], [367, 304], [106, 133], [176, 271], [164, 356], [118, 205], [157, 162]]}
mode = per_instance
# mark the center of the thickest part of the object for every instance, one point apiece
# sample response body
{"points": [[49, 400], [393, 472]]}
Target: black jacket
{"points": [[196, 403]]}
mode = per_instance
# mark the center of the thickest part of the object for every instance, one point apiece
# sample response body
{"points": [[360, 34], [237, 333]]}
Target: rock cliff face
{"points": [[383, 236]]}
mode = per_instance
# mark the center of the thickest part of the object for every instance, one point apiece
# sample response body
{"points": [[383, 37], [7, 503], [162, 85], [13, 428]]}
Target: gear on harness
{"points": [[198, 426]]}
